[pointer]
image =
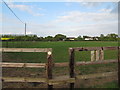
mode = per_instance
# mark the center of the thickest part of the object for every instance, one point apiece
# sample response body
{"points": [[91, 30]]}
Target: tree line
{"points": [[61, 37]]}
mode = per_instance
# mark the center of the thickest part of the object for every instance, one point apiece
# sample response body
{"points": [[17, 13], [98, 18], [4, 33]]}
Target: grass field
{"points": [[60, 51]]}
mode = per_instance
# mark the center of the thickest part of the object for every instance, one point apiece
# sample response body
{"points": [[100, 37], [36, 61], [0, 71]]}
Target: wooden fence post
{"points": [[97, 52], [92, 55], [49, 68], [101, 55], [71, 66], [97, 55]]}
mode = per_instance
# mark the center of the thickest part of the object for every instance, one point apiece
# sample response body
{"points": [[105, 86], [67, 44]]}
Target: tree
{"points": [[59, 37], [79, 38], [49, 38], [112, 37]]}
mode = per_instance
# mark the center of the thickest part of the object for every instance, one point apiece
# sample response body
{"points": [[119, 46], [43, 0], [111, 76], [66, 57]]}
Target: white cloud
{"points": [[84, 17], [26, 8], [105, 10], [91, 4]]}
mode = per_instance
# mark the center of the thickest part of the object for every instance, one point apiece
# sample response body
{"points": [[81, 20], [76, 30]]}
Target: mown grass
{"points": [[60, 50]]}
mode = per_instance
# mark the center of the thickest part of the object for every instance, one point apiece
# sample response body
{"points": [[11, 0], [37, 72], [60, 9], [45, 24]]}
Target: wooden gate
{"points": [[47, 65]]}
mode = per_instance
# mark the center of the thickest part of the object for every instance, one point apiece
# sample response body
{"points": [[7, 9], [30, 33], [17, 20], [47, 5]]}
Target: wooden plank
{"points": [[30, 65], [110, 48], [13, 79], [87, 48], [43, 65], [85, 63], [94, 48], [61, 80], [58, 80], [25, 49], [95, 62], [23, 79], [61, 64], [91, 76]]}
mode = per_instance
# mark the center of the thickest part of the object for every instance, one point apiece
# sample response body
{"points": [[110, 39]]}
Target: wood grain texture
{"points": [[25, 49], [30, 65]]}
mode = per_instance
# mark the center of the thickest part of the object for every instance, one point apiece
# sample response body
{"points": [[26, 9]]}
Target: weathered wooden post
{"points": [[92, 55], [49, 67], [101, 55], [97, 55], [71, 66], [97, 52]]}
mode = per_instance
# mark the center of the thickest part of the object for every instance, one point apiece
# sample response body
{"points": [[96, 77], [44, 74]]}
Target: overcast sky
{"points": [[68, 18]]}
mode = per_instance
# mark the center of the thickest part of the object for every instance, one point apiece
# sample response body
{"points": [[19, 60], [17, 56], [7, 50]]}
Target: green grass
{"points": [[60, 50], [111, 85]]}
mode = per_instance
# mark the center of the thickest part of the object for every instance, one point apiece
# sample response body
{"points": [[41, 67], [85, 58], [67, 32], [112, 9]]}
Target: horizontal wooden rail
{"points": [[25, 49], [86, 63], [96, 62], [94, 48], [97, 75], [43, 65], [57, 80], [31, 65], [23, 79]]}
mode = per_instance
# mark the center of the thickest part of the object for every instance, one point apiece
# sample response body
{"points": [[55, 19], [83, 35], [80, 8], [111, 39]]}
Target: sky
{"points": [[69, 18]]}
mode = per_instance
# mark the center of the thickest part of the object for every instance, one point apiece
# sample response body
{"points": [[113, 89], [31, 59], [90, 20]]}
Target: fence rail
{"points": [[59, 79], [94, 48], [25, 49], [32, 65]]}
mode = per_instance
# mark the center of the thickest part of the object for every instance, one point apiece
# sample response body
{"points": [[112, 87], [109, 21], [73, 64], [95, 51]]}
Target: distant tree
{"points": [[112, 37], [40, 39], [79, 38], [49, 38], [59, 37], [102, 35], [108, 37]]}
